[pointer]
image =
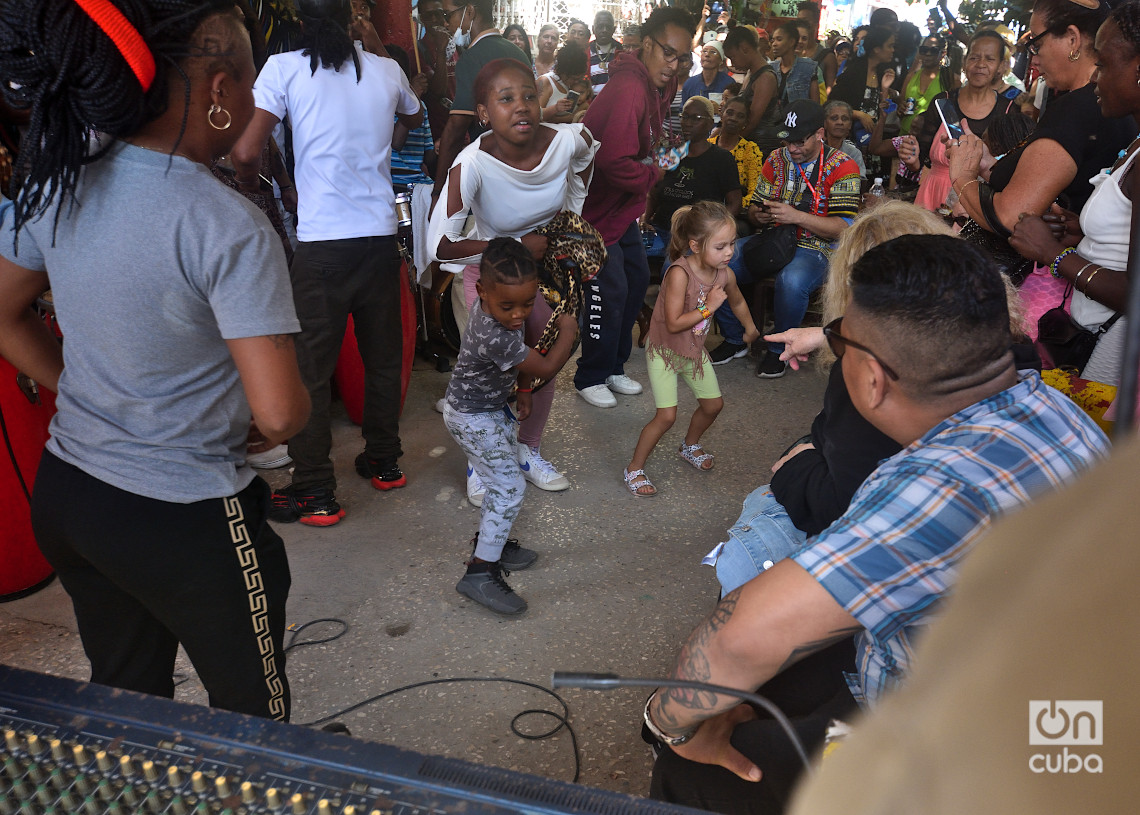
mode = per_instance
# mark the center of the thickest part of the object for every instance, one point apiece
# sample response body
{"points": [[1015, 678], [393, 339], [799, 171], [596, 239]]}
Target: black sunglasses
{"points": [[447, 14], [927, 50], [1032, 44], [837, 341]]}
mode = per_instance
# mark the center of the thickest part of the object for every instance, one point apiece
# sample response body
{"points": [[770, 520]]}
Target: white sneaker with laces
{"points": [[271, 459], [539, 471], [620, 383], [598, 396], [475, 488]]}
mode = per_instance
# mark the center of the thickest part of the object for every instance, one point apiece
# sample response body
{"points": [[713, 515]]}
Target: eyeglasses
{"points": [[693, 117], [928, 50], [447, 14], [837, 341], [1032, 44], [671, 56], [432, 13]]}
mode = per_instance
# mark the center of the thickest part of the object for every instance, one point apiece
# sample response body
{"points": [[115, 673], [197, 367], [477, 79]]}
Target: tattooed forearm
{"points": [[808, 648], [693, 664]]}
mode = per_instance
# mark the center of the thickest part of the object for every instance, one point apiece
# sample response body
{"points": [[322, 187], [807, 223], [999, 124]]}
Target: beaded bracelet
{"points": [[704, 312], [1055, 266]]}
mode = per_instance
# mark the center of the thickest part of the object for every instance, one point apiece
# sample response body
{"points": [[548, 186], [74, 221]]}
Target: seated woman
{"points": [[1073, 140], [733, 118], [813, 483], [554, 91], [837, 124], [1096, 264], [707, 173]]}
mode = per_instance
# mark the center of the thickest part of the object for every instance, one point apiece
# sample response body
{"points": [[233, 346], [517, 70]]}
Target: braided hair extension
{"points": [[57, 63], [1127, 19], [324, 34], [506, 260]]}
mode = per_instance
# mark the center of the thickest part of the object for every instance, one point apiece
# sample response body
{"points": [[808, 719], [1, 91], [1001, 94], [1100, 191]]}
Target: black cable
{"points": [[563, 720], [296, 630], [12, 455]]}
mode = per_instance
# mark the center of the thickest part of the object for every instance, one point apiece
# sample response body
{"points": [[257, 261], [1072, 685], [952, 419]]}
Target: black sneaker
{"points": [[384, 473], [514, 558], [771, 366], [727, 352], [484, 584], [311, 507]]}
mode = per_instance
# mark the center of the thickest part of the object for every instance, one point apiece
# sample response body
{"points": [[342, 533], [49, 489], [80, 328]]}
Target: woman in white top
{"points": [[514, 179], [1097, 266], [553, 87]]}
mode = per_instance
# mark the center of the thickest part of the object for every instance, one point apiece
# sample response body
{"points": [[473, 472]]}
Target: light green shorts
{"points": [[663, 379]]}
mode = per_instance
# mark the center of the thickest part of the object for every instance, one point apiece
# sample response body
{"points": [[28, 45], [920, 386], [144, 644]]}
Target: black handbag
{"points": [[770, 250], [1065, 343], [1013, 265]]}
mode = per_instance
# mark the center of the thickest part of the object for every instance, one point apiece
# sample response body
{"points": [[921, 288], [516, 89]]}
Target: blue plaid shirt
{"points": [[894, 554]]}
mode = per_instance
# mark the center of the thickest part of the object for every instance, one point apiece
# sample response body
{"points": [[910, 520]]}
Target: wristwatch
{"points": [[658, 733]]}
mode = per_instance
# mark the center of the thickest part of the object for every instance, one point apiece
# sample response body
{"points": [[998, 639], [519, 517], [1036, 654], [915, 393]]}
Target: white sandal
{"points": [[642, 481], [689, 453]]}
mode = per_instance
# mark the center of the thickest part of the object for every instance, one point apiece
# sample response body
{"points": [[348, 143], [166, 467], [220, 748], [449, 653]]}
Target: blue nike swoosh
{"points": [[525, 467]]}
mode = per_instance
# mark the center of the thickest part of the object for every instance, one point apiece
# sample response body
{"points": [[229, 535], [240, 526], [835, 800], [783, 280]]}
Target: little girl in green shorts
{"points": [[694, 286]]}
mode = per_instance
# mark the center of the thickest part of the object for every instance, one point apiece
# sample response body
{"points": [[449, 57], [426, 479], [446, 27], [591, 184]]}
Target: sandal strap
{"points": [[633, 476]]}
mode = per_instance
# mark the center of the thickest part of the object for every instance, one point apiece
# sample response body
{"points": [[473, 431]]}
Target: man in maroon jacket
{"points": [[627, 118]]}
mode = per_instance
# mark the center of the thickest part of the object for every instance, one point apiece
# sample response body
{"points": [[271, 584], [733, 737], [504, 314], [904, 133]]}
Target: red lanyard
{"points": [[807, 182]]}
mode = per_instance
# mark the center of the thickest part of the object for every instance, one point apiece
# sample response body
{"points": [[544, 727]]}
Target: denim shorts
{"points": [[762, 536]]}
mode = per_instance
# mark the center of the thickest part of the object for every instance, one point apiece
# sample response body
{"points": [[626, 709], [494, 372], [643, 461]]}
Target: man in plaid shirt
{"points": [[925, 355]]}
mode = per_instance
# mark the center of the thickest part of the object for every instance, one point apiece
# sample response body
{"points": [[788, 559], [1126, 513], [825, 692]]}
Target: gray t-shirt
{"points": [[485, 369], [151, 271]]}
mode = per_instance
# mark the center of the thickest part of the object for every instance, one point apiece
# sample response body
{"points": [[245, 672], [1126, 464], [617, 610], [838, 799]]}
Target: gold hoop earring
{"points": [[216, 108], [1074, 55]]}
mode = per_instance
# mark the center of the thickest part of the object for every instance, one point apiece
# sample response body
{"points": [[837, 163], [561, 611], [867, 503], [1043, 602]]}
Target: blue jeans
{"points": [[762, 536], [795, 284], [613, 300]]}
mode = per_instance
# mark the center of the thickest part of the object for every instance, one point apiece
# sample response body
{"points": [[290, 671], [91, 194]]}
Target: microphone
{"points": [[609, 681]]}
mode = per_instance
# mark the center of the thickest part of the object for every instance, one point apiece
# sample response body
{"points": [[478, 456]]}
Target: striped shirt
{"points": [[407, 162], [600, 64], [892, 557], [837, 192]]}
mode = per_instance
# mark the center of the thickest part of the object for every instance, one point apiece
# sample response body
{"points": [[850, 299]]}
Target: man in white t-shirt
{"points": [[341, 102]]}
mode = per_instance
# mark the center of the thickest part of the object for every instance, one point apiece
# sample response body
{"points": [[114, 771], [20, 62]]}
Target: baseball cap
{"points": [[802, 118]]}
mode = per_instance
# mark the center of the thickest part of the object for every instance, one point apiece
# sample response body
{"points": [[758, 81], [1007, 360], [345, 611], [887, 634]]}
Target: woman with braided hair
{"points": [[173, 292]]}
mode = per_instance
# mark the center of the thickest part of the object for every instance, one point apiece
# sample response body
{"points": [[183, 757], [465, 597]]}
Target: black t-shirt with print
{"points": [[708, 177]]}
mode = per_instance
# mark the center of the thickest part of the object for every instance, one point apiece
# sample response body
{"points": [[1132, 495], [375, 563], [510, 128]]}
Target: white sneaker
{"points": [[598, 396], [539, 471], [439, 403], [475, 488], [620, 383], [271, 459]]}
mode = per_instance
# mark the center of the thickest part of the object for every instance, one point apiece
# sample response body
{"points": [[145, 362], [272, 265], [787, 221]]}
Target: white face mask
{"points": [[460, 39]]}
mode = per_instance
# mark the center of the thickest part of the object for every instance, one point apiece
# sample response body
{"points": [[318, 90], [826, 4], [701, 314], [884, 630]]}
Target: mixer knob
{"points": [[12, 769], [80, 755], [349, 810], [222, 785], [104, 761], [173, 776], [150, 771], [130, 795], [69, 802], [198, 781], [57, 751], [36, 744], [177, 806], [248, 792], [37, 774], [104, 789], [127, 766], [6, 807], [12, 739], [273, 798], [298, 802], [91, 806], [44, 795], [324, 807], [83, 784], [152, 803]]}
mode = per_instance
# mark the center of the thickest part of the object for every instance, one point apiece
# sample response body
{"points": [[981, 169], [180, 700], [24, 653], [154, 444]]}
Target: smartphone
{"points": [[947, 113], [573, 96]]}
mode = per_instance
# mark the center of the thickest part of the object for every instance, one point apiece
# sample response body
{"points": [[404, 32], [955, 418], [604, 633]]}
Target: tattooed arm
{"points": [[754, 633], [277, 398]]}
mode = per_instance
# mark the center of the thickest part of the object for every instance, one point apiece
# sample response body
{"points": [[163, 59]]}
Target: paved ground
{"points": [[617, 587]]}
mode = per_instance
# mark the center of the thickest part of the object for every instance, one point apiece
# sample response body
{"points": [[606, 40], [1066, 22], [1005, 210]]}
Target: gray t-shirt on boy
{"points": [[152, 270], [485, 369]]}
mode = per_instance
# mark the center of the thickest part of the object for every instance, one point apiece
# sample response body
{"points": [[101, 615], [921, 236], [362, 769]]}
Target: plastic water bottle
{"points": [[876, 195]]}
